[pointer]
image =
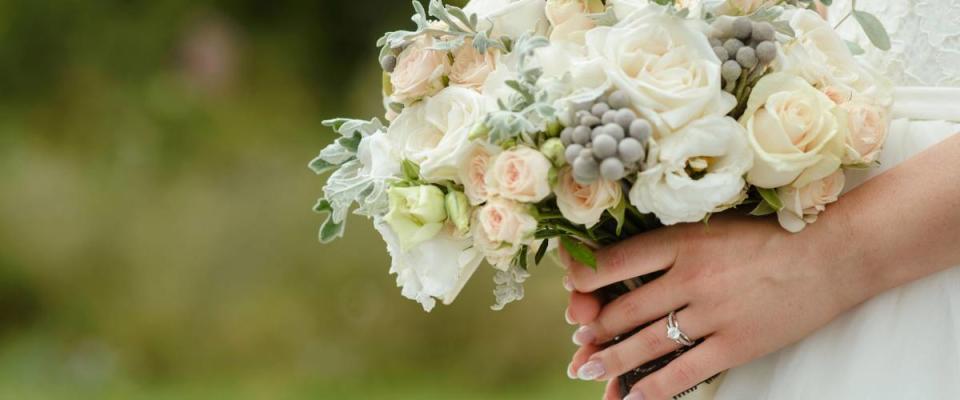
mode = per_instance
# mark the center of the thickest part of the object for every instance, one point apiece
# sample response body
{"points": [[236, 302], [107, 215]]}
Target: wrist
{"points": [[843, 251]]}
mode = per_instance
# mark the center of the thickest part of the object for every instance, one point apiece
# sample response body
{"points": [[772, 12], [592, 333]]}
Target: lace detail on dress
{"points": [[925, 37]]}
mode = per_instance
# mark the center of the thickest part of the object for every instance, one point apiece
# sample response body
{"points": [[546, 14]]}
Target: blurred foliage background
{"points": [[156, 238]]}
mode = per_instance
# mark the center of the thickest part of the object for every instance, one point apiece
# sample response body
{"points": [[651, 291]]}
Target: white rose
{"points": [[585, 204], [802, 206], [419, 72], [716, 151], [473, 173], [471, 68], [435, 133], [522, 174], [868, 125], [510, 18], [797, 132], [664, 63], [436, 269], [820, 56], [570, 19]]}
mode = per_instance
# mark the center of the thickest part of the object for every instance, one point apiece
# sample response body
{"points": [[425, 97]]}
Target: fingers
{"points": [[583, 308], [579, 358], [639, 255], [613, 390], [647, 303], [645, 346], [692, 368]]}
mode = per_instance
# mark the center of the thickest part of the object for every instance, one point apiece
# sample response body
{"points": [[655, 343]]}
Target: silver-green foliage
{"points": [[460, 26], [529, 108]]}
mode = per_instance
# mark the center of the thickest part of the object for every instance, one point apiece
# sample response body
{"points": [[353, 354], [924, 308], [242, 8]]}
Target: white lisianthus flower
{"points": [[868, 126], [435, 133], [714, 150], [416, 214], [664, 63], [435, 269], [471, 68], [796, 132], [500, 228], [510, 18], [521, 174], [802, 206], [585, 204], [420, 72], [570, 19], [379, 158]]}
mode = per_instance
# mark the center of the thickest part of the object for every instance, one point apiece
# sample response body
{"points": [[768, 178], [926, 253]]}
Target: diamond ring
{"points": [[674, 332]]}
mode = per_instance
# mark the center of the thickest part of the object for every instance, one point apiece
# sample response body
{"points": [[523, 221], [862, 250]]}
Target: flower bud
{"points": [[554, 150], [458, 210]]}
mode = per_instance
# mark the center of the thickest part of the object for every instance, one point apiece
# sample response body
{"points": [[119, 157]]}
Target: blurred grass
{"points": [[156, 239]]}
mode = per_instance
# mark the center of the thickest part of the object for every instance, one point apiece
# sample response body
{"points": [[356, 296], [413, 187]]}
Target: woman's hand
{"points": [[743, 284]]}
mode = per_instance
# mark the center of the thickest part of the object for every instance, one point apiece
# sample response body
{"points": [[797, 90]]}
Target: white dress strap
{"points": [[927, 103]]}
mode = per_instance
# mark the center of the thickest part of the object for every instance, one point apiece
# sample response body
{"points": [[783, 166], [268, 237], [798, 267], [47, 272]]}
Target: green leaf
{"points": [[320, 166], [619, 213], [329, 230], [855, 48], [542, 251], [520, 259], [784, 28], [874, 29], [579, 251], [771, 197], [410, 170], [763, 209]]}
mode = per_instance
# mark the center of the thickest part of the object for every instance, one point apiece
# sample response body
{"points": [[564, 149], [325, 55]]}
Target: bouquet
{"points": [[516, 126]]}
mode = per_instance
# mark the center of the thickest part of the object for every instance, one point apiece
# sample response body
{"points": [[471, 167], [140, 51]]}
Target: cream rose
{"points": [[435, 133], [868, 125], [802, 206], [419, 73], [510, 18], [715, 152], [796, 132], [570, 19], [473, 173], [585, 204], [522, 174], [664, 63], [471, 68]]}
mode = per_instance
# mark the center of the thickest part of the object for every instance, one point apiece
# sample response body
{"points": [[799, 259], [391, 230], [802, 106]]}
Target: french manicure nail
{"points": [[591, 371], [567, 284], [634, 396], [570, 372], [584, 336], [568, 317]]}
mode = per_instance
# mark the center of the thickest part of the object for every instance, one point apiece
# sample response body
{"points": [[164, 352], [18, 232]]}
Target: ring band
{"points": [[674, 332]]}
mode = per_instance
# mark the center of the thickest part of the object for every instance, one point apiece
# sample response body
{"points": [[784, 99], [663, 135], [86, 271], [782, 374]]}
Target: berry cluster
{"points": [[606, 140], [743, 46]]}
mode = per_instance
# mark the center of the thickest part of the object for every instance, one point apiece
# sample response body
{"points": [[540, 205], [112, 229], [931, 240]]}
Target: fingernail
{"points": [[634, 396], [584, 336], [570, 372], [591, 371], [568, 317], [567, 284]]}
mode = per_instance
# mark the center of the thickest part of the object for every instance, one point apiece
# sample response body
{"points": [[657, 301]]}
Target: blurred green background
{"points": [[156, 238]]}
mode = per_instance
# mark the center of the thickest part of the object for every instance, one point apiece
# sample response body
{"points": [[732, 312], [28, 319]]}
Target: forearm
{"points": [[904, 224]]}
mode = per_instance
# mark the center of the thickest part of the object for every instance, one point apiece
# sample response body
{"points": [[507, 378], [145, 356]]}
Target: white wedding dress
{"points": [[903, 344]]}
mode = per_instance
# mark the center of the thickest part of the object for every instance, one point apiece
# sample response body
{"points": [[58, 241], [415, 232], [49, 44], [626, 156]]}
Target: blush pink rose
{"points": [[522, 174], [471, 68], [505, 221], [802, 206], [419, 73], [473, 174], [585, 204], [868, 126]]}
